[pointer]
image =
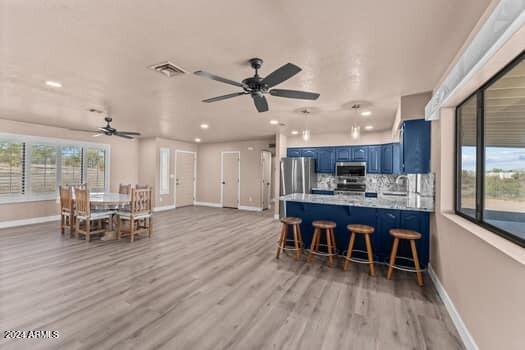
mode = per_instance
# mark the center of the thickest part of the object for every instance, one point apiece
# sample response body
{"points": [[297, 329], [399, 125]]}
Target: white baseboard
{"points": [[208, 204], [166, 207], [465, 335], [31, 221], [248, 208]]}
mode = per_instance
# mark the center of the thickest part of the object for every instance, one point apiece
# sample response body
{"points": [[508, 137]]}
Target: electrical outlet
{"points": [[250, 199]]}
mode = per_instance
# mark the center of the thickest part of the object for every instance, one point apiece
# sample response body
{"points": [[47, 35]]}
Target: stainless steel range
{"points": [[351, 178]]}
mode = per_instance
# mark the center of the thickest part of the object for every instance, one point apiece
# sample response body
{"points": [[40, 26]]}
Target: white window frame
{"points": [[164, 171], [29, 140]]}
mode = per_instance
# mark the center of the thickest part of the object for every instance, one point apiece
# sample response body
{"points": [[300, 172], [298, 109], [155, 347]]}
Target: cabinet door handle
{"points": [[392, 216]]}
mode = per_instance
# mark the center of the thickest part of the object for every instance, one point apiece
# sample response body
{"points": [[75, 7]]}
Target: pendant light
{"points": [[356, 129], [306, 131]]}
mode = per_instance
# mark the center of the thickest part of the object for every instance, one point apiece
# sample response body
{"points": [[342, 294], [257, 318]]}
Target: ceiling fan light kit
{"points": [[257, 86]]}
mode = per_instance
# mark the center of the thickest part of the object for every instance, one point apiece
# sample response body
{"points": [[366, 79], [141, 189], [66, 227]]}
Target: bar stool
{"points": [[328, 226], [366, 231], [297, 238], [411, 236]]}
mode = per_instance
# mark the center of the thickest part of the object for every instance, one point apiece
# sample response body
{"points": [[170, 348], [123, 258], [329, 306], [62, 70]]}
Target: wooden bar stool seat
{"points": [[297, 237], [411, 236], [328, 226], [366, 231]]}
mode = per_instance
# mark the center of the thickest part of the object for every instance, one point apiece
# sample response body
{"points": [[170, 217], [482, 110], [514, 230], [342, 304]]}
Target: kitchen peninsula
{"points": [[383, 213]]}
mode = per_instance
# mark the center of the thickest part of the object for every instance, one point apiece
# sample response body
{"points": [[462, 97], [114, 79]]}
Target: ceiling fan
{"points": [[257, 86], [108, 130]]}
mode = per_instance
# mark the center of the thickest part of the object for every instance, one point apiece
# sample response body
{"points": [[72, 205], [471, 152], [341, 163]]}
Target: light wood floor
{"points": [[207, 279]]}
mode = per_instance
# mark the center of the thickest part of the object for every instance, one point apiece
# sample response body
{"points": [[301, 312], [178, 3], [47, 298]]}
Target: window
{"points": [[96, 169], [71, 165], [164, 171], [43, 173], [32, 168], [490, 146], [11, 168]]}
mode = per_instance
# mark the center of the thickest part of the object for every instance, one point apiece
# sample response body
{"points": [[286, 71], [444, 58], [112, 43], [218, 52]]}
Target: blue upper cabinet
{"points": [[396, 159], [360, 153], [374, 160], [387, 158], [309, 152], [293, 152], [415, 139], [325, 160], [343, 154]]}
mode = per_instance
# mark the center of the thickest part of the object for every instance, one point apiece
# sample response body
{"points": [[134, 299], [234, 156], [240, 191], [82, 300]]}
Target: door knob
{"points": [[224, 183]]}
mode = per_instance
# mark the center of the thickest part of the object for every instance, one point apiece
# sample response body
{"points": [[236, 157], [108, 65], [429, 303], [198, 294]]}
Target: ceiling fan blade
{"points": [[123, 135], [281, 74], [260, 102], [303, 95], [104, 129], [224, 97], [204, 74], [97, 135], [85, 130], [129, 133]]}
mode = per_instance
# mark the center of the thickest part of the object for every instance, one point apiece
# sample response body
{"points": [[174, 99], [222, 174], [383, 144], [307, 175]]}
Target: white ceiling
{"points": [[349, 50]]}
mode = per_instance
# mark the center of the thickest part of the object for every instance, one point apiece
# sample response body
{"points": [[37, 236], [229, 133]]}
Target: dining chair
{"points": [[93, 220], [67, 212], [138, 216], [141, 187], [124, 189]]}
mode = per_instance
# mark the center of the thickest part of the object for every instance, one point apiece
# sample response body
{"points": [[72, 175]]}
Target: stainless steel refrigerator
{"points": [[297, 176]]}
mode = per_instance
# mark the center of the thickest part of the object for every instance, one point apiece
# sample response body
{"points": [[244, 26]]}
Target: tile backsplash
{"points": [[421, 183]]}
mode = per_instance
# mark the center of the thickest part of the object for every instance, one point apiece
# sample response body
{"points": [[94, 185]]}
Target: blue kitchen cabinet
{"points": [[359, 153], [293, 152], [415, 138], [309, 152], [325, 160], [343, 154], [387, 219], [374, 160], [396, 159], [387, 158]]}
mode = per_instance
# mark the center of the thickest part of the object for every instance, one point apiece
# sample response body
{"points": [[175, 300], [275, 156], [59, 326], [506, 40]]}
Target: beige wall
{"points": [[209, 171], [123, 167], [149, 172], [341, 139], [483, 274]]}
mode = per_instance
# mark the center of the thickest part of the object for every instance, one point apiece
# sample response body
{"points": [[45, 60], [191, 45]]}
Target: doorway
{"points": [[185, 163], [266, 183], [230, 179]]}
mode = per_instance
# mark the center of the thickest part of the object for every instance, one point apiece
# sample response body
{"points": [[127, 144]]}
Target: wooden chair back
{"points": [[141, 201], [66, 199], [124, 189], [82, 202], [141, 187]]}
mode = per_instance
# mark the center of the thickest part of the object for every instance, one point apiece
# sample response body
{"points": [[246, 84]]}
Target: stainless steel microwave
{"points": [[350, 169]]}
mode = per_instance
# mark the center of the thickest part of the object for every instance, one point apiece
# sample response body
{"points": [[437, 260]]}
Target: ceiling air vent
{"points": [[168, 69]]}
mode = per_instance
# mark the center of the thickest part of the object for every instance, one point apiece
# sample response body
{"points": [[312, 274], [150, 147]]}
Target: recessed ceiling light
{"points": [[197, 139], [369, 127], [274, 122], [54, 84], [204, 126], [366, 113], [295, 132]]}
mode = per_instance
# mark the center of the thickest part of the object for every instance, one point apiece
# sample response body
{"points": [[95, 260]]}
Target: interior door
{"points": [[185, 177], [266, 159], [230, 179]]}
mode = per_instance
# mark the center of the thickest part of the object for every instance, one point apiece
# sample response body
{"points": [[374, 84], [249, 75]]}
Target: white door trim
{"points": [[263, 184], [194, 176], [238, 175]]}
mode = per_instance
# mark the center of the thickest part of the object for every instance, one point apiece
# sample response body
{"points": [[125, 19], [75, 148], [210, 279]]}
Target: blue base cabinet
{"points": [[381, 219]]}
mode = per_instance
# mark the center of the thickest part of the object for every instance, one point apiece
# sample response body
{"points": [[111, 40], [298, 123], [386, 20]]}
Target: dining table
{"points": [[110, 201]]}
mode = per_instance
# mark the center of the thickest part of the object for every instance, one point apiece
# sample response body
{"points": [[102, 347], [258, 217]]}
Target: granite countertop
{"points": [[323, 189], [411, 202]]}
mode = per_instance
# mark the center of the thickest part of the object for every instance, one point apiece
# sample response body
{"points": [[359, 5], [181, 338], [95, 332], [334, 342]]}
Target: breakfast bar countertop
{"points": [[411, 202]]}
